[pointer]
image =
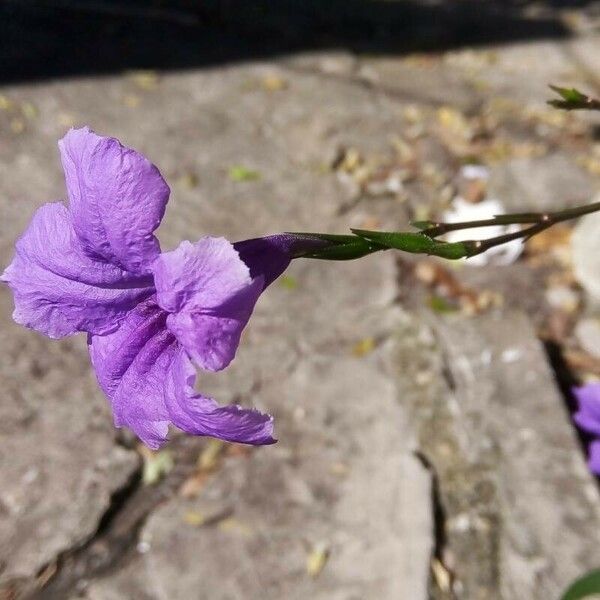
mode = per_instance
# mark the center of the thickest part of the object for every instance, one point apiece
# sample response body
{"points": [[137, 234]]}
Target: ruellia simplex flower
{"points": [[94, 265]]}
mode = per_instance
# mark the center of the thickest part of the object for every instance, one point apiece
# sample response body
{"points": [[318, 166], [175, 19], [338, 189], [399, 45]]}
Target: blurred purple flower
{"points": [[95, 266], [587, 418]]}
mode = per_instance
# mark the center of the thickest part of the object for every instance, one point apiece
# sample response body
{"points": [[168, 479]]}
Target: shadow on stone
{"points": [[44, 39]]}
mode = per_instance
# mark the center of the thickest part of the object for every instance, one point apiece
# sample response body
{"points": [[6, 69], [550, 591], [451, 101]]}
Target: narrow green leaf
{"points": [[587, 586], [339, 247], [569, 94], [573, 99]]}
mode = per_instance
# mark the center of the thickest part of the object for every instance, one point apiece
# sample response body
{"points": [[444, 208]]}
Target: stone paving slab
{"points": [[335, 481], [520, 511], [319, 353], [59, 462], [197, 126]]}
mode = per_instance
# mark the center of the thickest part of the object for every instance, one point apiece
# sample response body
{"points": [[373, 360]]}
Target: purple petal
{"points": [[117, 199], [209, 291], [270, 256], [588, 413], [59, 289], [199, 415], [594, 457], [131, 365], [210, 341], [149, 380], [203, 275]]}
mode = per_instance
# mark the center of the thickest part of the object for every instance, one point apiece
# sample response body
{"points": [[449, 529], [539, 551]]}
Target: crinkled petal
{"points": [[588, 413], [59, 289], [199, 415], [209, 292], [117, 199], [211, 340], [199, 276], [131, 365], [149, 380]]}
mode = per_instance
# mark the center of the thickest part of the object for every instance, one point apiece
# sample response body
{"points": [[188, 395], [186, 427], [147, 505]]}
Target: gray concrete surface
{"points": [[406, 467]]}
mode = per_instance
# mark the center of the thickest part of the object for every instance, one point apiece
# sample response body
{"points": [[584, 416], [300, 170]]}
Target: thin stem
{"points": [[442, 228], [363, 242], [479, 246], [548, 219]]}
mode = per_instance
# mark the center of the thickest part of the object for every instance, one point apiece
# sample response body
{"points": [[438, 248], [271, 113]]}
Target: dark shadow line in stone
{"points": [[439, 519]]}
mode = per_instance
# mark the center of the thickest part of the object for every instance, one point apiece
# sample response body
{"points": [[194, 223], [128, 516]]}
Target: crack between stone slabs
{"points": [[116, 537], [565, 381], [439, 532], [437, 562]]}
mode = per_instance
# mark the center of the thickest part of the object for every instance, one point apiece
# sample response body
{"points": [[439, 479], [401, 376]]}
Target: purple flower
{"points": [[95, 266], [588, 419]]}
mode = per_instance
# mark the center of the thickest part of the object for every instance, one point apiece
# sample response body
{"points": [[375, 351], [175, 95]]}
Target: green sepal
{"points": [[341, 247], [358, 248], [327, 237], [417, 243]]}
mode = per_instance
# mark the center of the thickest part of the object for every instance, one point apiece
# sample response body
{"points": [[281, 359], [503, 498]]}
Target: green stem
{"points": [[364, 242]]}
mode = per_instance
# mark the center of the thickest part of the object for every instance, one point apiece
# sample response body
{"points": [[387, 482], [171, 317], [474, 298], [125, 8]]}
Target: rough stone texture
{"points": [[522, 72], [544, 183], [517, 501], [517, 513], [336, 479], [586, 255], [59, 463]]}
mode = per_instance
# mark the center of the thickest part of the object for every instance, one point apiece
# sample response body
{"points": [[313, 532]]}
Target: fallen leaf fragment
{"points": [[442, 575], [233, 525], [363, 347], [156, 465], [189, 180], [274, 83], [193, 485], [210, 457], [317, 559], [240, 173], [145, 80], [288, 282], [207, 515], [194, 518], [29, 110]]}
